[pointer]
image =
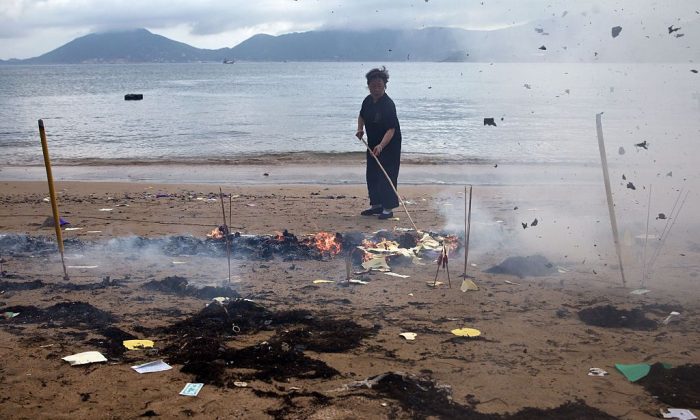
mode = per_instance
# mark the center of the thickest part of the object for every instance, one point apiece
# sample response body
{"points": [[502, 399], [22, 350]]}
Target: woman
{"points": [[378, 117]]}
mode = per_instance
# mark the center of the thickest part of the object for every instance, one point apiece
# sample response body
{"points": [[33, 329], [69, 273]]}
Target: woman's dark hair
{"points": [[378, 73]]}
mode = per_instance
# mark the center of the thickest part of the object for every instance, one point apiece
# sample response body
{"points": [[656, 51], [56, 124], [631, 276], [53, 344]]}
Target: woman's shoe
{"points": [[371, 211], [383, 216]]}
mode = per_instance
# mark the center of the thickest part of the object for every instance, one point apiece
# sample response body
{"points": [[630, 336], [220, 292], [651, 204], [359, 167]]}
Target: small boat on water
{"points": [[227, 61]]}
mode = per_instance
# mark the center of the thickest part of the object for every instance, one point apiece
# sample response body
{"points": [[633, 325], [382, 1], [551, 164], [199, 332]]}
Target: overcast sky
{"points": [[29, 28]]}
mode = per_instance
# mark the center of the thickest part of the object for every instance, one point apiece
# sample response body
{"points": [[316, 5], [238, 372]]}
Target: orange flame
{"points": [[216, 234], [326, 243]]}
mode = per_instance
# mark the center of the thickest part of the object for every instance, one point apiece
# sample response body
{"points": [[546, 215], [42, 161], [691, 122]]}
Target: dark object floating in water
{"points": [[608, 316], [677, 387], [133, 96], [621, 150], [534, 222], [524, 225], [624, 178], [631, 186], [694, 71], [533, 265], [543, 48], [671, 29], [661, 216], [644, 145], [616, 31], [490, 121]]}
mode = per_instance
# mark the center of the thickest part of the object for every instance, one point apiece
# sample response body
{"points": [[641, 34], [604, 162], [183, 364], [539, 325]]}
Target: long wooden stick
{"points": [[608, 193], [228, 249], [228, 244], [52, 194], [388, 178]]}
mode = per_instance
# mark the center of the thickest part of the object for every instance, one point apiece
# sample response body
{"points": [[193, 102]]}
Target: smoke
{"points": [[200, 263]]}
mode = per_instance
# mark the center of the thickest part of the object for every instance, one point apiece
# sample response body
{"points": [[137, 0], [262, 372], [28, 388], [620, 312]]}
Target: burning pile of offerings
{"points": [[373, 252]]}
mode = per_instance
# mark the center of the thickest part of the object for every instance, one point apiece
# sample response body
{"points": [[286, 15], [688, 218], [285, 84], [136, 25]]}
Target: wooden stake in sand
{"points": [[52, 194], [608, 193], [390, 183], [228, 247]]}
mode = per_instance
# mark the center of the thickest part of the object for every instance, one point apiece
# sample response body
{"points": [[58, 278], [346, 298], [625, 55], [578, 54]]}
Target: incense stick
{"points": [[668, 232]]}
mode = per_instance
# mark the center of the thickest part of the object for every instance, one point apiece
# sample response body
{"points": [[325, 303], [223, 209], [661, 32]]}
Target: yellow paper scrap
{"points": [[468, 284], [138, 344], [376, 264], [466, 332], [320, 281]]}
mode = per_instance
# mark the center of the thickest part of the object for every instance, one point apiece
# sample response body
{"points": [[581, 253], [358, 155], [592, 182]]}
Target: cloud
{"points": [[41, 25]]}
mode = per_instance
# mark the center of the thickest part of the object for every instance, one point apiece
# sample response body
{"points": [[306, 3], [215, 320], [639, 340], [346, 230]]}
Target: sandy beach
{"points": [[304, 348]]}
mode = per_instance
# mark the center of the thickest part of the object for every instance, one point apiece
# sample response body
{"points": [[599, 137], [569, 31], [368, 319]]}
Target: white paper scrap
{"points": [[105, 209], [397, 275], [72, 229], [191, 389], [596, 372], [678, 413], [640, 292], [357, 281], [409, 336], [150, 367], [85, 358], [82, 266]]}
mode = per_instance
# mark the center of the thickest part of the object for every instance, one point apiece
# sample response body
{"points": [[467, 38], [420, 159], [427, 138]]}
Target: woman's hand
{"points": [[359, 134], [377, 150]]}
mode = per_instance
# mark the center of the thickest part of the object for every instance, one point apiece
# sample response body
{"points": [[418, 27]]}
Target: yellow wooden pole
{"points": [[52, 194]]}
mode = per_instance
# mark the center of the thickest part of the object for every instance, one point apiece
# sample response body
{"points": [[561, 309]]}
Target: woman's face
{"points": [[376, 88]]}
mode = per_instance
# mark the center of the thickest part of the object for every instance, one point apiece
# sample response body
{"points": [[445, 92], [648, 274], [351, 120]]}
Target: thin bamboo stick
{"points": [[608, 193], [228, 248], [390, 183], [52, 194]]}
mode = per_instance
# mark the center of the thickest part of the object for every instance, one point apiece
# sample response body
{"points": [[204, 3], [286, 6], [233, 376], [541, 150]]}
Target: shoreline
{"points": [[342, 172]]}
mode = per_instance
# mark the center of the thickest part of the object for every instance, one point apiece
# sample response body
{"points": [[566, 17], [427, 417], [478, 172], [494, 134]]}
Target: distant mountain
{"points": [[570, 39], [136, 46]]}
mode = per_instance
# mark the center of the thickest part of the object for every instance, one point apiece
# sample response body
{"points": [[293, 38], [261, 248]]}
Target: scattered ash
{"points": [[677, 387], [530, 266], [79, 315], [610, 317], [420, 396], [423, 398], [293, 408], [199, 342], [113, 342], [104, 284], [10, 286], [577, 410], [180, 286], [16, 244]]}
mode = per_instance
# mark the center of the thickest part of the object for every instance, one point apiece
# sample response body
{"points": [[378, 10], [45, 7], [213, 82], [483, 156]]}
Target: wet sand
{"points": [[534, 350]]}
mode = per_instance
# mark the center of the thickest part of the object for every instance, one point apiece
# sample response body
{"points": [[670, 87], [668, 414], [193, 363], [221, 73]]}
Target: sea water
{"points": [[210, 112]]}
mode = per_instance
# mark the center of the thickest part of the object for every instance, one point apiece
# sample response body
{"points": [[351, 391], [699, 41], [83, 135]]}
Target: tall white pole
{"points": [[608, 192]]}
